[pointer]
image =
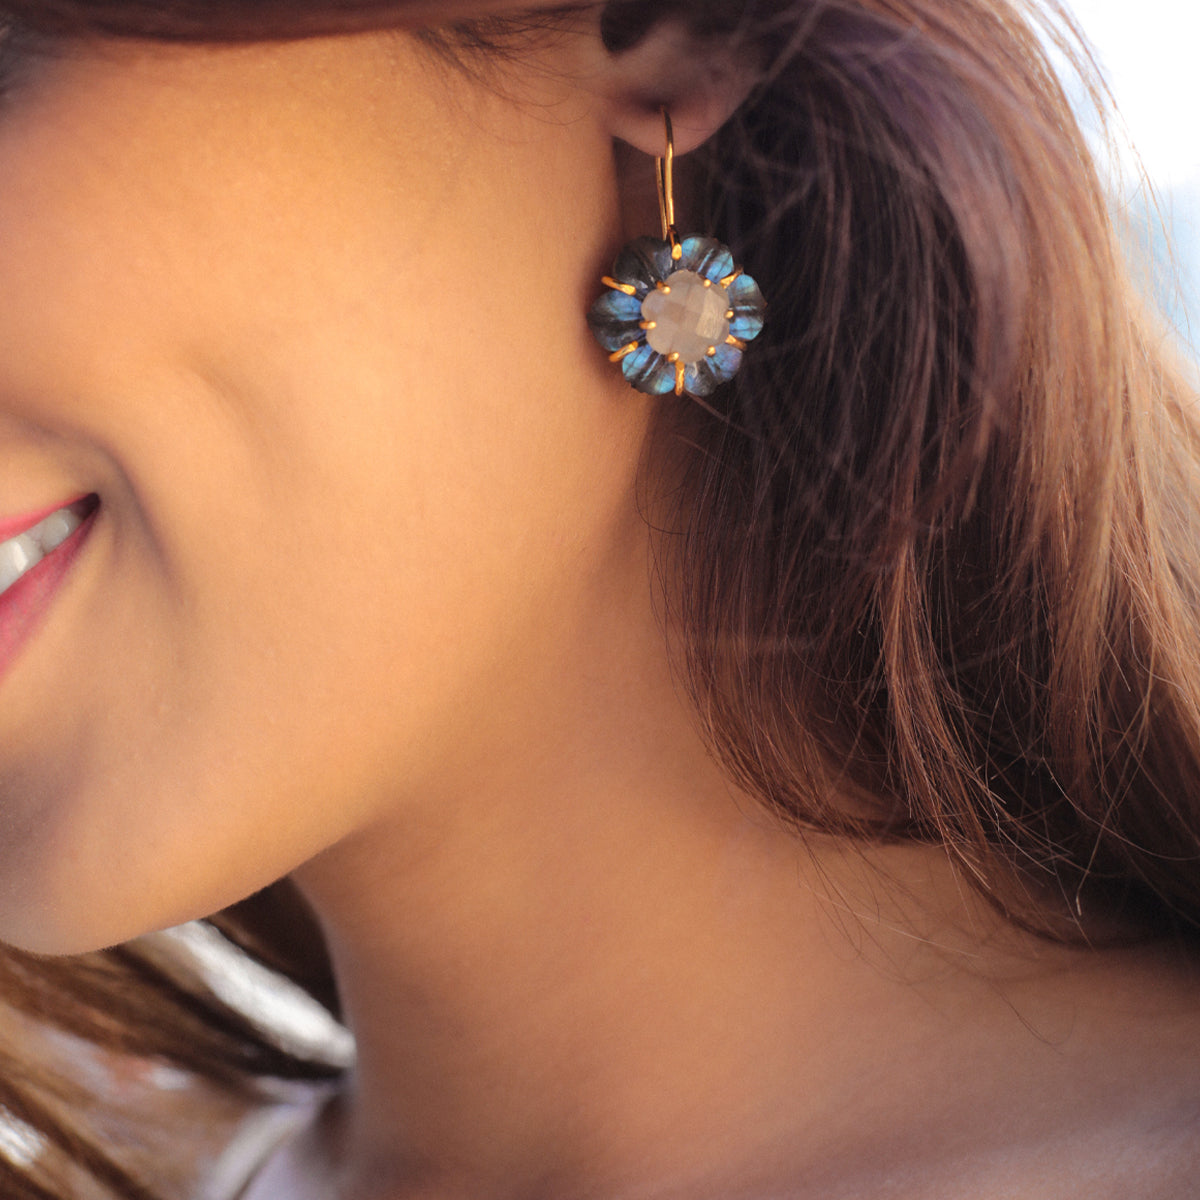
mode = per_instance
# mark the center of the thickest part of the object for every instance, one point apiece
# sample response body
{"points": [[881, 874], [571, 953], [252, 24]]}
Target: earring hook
{"points": [[664, 169]]}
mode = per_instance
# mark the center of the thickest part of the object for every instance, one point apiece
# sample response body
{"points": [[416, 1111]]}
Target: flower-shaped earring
{"points": [[678, 312]]}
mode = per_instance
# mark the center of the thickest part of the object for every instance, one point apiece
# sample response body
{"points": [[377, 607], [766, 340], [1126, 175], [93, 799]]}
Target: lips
{"points": [[36, 552]]}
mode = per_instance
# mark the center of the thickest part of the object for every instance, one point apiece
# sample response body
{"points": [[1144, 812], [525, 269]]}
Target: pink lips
{"points": [[24, 605], [11, 526]]}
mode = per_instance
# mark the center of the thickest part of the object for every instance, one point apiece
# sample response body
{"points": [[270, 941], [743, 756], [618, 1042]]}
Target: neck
{"points": [[581, 973]]}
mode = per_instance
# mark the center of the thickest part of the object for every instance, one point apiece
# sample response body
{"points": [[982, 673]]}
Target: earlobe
{"points": [[700, 79]]}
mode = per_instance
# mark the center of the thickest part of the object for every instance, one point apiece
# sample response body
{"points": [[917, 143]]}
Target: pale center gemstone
{"points": [[688, 319]]}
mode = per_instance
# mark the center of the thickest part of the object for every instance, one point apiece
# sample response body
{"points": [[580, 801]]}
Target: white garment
{"points": [[251, 1156]]}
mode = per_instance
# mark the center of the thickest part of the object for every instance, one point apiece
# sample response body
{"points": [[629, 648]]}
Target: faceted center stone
{"points": [[688, 319]]}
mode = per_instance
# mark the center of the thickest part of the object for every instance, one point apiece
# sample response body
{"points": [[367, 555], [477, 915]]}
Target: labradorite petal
{"points": [[643, 263], [746, 325], [648, 371], [614, 318], [707, 257], [699, 379], [618, 307], [744, 293], [726, 362], [748, 308], [704, 377]]}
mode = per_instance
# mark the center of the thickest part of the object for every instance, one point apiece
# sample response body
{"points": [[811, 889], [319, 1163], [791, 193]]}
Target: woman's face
{"points": [[308, 321]]}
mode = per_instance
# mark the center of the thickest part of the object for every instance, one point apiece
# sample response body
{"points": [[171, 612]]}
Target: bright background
{"points": [[1147, 53]]}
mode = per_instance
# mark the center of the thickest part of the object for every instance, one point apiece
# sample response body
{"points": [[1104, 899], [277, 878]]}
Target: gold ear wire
{"points": [[664, 170]]}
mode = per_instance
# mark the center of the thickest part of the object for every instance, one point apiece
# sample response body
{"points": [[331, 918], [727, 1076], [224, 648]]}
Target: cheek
{"points": [[281, 686], [360, 470], [272, 667]]}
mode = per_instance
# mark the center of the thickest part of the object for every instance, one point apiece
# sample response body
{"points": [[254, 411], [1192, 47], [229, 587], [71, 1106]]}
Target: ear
{"points": [[699, 78]]}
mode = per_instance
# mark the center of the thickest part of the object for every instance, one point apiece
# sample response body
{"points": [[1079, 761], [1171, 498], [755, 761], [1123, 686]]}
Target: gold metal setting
{"points": [[627, 288]]}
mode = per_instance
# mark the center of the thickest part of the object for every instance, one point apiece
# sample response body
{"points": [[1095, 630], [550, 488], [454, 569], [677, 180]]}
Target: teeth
{"points": [[16, 557], [21, 554]]}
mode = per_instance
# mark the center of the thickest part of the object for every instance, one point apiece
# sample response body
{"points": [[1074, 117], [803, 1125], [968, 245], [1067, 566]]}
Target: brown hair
{"points": [[933, 566]]}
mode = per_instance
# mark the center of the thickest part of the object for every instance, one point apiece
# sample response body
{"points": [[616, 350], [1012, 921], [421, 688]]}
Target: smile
{"points": [[20, 554], [35, 559]]}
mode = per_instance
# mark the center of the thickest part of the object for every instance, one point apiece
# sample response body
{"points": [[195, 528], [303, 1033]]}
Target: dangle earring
{"points": [[678, 312]]}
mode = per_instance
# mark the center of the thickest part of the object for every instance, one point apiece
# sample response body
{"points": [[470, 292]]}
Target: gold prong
{"points": [[679, 373], [665, 288], [730, 278], [730, 314], [673, 357], [647, 325], [617, 355], [711, 351], [732, 341], [708, 283], [627, 288], [676, 251]]}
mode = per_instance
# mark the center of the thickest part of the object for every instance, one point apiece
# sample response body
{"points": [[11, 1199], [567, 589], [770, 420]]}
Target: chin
{"points": [[56, 927], [52, 915]]}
